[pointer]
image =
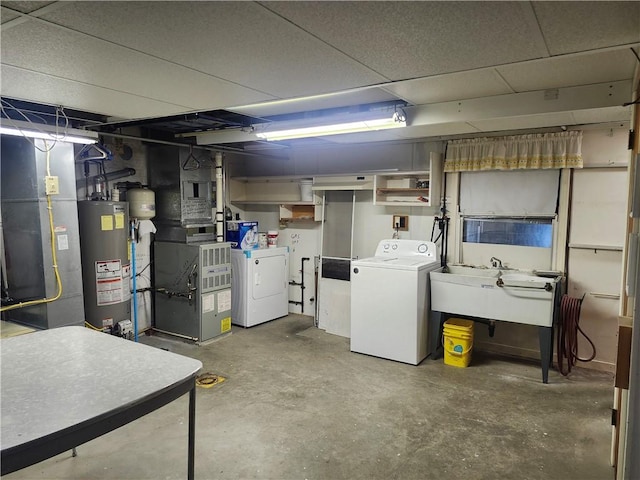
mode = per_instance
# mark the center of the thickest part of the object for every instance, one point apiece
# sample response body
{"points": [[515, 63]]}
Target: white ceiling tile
{"points": [[25, 6], [65, 54], [331, 100], [445, 88], [7, 15], [570, 70], [241, 42], [403, 40], [529, 121], [35, 87], [580, 26]]}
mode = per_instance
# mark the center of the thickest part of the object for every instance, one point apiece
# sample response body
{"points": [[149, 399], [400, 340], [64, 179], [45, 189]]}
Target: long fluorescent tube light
{"points": [[335, 129], [47, 132]]}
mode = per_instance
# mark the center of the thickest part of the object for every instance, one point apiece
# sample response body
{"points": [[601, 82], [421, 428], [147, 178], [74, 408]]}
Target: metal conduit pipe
{"points": [[219, 198], [105, 177]]}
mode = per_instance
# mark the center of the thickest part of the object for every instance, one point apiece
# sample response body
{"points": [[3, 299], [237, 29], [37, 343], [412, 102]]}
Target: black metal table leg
{"points": [[546, 341], [435, 333], [192, 432]]}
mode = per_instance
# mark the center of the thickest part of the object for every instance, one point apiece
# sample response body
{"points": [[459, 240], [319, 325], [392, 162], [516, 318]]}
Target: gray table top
{"points": [[54, 379]]}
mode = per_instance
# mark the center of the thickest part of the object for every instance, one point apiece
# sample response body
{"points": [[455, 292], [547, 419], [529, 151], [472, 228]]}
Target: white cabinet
{"points": [[293, 212], [266, 190], [416, 188], [282, 191]]}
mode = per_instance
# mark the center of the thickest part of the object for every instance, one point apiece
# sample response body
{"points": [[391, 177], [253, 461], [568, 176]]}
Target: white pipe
{"points": [[219, 198]]}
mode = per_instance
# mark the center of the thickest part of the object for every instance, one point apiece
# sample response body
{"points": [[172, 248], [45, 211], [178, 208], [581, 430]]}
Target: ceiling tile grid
{"points": [[7, 15], [237, 41], [586, 25], [53, 51], [145, 59], [455, 86], [403, 40], [570, 70], [35, 87]]}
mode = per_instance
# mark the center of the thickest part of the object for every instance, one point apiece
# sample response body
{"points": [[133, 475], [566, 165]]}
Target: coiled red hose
{"points": [[568, 334]]}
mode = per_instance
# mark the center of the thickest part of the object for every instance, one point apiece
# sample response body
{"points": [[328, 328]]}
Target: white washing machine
{"points": [[259, 285], [390, 300]]}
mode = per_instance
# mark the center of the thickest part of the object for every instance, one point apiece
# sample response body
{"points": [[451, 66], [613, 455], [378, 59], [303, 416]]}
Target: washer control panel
{"points": [[406, 248]]}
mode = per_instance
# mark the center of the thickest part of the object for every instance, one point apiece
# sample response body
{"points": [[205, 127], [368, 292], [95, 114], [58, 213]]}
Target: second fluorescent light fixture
{"points": [[47, 132], [396, 121]]}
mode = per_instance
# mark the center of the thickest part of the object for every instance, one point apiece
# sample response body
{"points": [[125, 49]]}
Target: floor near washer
{"points": [[297, 404]]}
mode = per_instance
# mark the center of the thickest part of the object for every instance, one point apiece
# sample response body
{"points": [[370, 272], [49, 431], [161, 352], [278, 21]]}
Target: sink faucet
{"points": [[496, 262]]}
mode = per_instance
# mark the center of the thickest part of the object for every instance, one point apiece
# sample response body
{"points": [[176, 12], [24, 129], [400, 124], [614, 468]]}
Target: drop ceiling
{"points": [[482, 66]]}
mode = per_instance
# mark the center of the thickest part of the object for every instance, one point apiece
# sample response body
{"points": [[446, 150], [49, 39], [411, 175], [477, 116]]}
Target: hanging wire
{"points": [[55, 137]]}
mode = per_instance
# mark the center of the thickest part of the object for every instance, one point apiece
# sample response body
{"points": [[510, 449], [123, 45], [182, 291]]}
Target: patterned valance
{"points": [[548, 150]]}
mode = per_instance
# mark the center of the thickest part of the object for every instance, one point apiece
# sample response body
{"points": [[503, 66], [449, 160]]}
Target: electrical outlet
{"points": [[401, 222], [51, 185]]}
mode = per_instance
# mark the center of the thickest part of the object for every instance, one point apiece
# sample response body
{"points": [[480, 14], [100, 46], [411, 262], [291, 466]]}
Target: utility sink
{"points": [[471, 271], [525, 280], [518, 296]]}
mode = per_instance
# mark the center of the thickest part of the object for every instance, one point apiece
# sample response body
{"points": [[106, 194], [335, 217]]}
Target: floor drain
{"points": [[208, 380]]}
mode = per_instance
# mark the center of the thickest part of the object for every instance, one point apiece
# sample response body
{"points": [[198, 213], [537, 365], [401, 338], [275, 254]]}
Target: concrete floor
{"points": [[296, 404]]}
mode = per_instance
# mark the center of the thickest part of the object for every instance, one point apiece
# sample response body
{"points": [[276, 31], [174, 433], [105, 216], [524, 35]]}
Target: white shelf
{"points": [[267, 191], [419, 188]]}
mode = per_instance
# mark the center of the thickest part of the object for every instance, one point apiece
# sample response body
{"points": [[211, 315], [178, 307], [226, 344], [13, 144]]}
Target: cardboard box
{"points": [[242, 235]]}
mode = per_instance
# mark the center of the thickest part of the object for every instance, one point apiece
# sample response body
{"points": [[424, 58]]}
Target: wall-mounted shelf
{"points": [[416, 188], [266, 191], [282, 191], [300, 212], [401, 189]]}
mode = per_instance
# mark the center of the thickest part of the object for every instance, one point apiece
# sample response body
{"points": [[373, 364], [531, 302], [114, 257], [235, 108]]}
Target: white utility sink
{"points": [[518, 296]]}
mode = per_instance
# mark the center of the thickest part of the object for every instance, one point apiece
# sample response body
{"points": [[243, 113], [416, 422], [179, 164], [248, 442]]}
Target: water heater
{"points": [[106, 266]]}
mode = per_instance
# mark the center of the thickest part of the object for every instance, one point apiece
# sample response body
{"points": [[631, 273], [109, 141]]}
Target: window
{"points": [[526, 232]]}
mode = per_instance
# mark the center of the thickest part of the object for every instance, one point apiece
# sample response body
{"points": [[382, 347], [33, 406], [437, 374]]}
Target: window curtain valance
{"points": [[537, 151]]}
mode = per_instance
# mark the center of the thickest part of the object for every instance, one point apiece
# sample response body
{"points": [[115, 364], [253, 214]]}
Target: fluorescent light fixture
{"points": [[47, 132], [397, 120]]}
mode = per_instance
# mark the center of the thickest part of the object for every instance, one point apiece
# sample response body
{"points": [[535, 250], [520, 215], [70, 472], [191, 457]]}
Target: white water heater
{"points": [[106, 265]]}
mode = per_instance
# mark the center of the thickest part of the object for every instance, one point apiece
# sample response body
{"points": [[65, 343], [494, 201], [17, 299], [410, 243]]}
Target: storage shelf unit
{"points": [[300, 212], [282, 191], [265, 190], [416, 188]]}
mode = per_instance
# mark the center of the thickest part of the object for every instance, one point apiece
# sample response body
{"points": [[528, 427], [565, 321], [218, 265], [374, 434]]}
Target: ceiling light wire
{"points": [[55, 137]]}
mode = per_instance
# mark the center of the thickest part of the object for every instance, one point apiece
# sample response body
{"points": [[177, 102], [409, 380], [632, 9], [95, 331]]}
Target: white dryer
{"points": [[259, 285], [390, 300]]}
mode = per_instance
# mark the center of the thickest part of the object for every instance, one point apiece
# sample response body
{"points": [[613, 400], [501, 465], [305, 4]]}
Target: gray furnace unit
{"points": [[193, 289]]}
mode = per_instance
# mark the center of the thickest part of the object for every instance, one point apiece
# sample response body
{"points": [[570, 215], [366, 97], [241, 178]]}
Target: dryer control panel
{"points": [[405, 248]]}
